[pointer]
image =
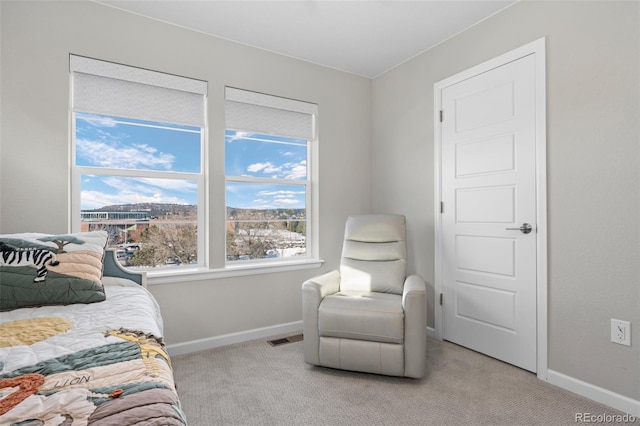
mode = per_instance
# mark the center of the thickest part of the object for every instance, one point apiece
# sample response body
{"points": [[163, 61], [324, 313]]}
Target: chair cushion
{"points": [[376, 228], [372, 276], [362, 355], [371, 316], [374, 254]]}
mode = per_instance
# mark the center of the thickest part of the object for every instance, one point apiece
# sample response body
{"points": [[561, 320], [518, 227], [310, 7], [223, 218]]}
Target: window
{"points": [[138, 171], [268, 183], [138, 163]]}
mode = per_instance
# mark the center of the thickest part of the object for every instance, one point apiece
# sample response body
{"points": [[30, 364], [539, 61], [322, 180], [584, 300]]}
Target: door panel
{"points": [[472, 297], [486, 205], [486, 255], [488, 185], [472, 113], [490, 155]]}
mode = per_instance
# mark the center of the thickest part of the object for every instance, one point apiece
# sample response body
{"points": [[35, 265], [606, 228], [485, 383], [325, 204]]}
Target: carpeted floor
{"points": [[255, 383]]}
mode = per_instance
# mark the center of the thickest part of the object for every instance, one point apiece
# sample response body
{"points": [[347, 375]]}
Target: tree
{"points": [[113, 232], [250, 239], [167, 244], [302, 228]]}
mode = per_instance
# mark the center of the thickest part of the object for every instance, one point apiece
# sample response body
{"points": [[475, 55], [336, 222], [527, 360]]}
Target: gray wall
{"points": [[593, 140], [37, 38], [593, 117]]}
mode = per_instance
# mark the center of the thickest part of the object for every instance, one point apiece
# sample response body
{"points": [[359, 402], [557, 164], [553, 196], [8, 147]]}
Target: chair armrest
{"points": [[322, 285], [414, 303], [313, 291], [414, 286]]}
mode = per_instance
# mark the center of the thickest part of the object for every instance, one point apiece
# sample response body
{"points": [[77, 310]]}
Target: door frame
{"points": [[536, 48]]}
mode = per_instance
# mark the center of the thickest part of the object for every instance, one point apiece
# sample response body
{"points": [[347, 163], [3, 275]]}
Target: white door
{"points": [[488, 190]]}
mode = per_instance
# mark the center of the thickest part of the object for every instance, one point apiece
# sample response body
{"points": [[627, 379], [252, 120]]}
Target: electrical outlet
{"points": [[621, 332]]}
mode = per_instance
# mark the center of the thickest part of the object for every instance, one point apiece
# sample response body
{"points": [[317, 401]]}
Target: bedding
{"points": [[102, 363], [73, 277]]}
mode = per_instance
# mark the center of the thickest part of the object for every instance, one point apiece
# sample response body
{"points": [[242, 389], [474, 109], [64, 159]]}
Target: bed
{"points": [[91, 357]]}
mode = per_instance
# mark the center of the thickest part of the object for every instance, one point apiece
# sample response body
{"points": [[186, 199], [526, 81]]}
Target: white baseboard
{"points": [[242, 336], [232, 338], [601, 395], [431, 332]]}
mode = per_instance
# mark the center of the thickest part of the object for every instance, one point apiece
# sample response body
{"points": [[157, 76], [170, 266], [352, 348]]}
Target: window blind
{"points": [[107, 88], [267, 114]]}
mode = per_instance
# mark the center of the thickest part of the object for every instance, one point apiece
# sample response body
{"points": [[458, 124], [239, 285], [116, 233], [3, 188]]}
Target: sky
{"points": [[265, 156], [141, 145]]}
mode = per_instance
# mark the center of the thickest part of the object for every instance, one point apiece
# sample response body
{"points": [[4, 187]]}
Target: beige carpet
{"points": [[255, 383]]}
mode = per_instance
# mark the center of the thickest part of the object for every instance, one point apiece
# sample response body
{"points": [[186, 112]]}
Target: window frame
{"points": [[306, 183], [272, 115], [209, 212], [161, 81], [200, 178]]}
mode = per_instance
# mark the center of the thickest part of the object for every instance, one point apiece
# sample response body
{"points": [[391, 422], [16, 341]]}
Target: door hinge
{"points": [[441, 207], [441, 115], [441, 298]]}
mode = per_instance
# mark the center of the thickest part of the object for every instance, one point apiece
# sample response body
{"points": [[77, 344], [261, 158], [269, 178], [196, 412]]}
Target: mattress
{"points": [[88, 364]]}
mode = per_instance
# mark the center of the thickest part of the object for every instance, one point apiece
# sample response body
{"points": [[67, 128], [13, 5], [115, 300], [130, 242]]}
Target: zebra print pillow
{"points": [[39, 258], [44, 269]]}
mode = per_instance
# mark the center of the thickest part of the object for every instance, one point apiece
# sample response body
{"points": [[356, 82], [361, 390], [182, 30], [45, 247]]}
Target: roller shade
{"points": [[267, 114], [106, 88]]}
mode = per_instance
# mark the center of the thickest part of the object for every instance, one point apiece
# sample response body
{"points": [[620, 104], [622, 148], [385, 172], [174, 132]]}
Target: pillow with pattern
{"points": [[44, 269]]}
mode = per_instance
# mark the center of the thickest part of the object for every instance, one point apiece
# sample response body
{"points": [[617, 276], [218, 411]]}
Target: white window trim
{"points": [[245, 268], [162, 81], [159, 276], [201, 178], [310, 235], [312, 228]]}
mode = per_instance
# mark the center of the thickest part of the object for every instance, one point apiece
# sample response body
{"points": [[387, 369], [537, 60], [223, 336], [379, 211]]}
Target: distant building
{"points": [[92, 216], [123, 226]]}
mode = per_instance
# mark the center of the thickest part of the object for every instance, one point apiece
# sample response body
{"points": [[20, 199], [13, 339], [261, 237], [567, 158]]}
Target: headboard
{"points": [[113, 268]]}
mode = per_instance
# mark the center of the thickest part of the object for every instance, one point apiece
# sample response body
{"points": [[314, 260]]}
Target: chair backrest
{"points": [[374, 254]]}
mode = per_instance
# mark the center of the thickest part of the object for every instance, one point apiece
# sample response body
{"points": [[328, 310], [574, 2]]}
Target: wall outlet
{"points": [[621, 332]]}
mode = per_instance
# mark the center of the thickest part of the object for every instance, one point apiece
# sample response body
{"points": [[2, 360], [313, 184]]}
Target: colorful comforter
{"points": [[88, 364]]}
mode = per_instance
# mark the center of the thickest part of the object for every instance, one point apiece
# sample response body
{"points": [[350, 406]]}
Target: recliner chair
{"points": [[368, 316]]}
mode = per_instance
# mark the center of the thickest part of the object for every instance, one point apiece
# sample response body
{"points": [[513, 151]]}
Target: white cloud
{"points": [[138, 190], [149, 185], [279, 193], [297, 171], [236, 136], [139, 156], [267, 167], [171, 184], [97, 199], [283, 198], [97, 121], [285, 171], [287, 201]]}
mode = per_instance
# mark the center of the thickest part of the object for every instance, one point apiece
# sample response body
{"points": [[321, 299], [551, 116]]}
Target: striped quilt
{"points": [[88, 364]]}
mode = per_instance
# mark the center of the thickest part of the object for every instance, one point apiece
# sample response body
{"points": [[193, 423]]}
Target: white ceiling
{"points": [[363, 37]]}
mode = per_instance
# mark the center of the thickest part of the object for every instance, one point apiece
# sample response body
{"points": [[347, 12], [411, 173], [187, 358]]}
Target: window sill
{"points": [[231, 271]]}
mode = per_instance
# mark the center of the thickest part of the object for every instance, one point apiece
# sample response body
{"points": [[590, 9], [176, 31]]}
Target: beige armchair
{"points": [[368, 316]]}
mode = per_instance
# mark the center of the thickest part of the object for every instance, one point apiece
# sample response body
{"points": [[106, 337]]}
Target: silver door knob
{"points": [[525, 228]]}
